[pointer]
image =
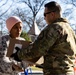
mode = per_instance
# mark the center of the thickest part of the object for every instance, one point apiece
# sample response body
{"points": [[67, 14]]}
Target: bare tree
{"points": [[32, 10], [4, 8], [34, 5], [69, 12], [3, 4]]}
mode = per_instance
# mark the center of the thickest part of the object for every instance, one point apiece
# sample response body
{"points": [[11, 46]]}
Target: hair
{"points": [[53, 6]]}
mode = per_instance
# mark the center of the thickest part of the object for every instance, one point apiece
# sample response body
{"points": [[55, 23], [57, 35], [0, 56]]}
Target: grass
{"points": [[35, 68]]}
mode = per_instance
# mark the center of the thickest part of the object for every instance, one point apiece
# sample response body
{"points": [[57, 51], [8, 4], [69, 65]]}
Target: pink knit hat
{"points": [[11, 21]]}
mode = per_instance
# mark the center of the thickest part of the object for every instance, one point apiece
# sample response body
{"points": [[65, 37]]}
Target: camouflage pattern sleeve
{"points": [[44, 41], [5, 63]]}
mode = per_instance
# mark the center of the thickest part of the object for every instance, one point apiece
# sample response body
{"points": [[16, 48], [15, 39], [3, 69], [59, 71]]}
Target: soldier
{"points": [[56, 43]]}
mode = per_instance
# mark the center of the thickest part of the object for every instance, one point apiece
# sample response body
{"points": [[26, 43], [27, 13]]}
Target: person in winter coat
{"points": [[7, 66]]}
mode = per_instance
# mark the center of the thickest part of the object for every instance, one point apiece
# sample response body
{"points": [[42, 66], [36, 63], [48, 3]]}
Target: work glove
{"points": [[39, 65], [15, 56]]}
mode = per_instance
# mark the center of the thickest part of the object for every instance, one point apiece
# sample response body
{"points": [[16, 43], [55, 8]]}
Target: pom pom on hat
{"points": [[11, 21]]}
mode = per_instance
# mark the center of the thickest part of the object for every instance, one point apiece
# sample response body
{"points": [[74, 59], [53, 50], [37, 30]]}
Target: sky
{"points": [[63, 5], [70, 15]]}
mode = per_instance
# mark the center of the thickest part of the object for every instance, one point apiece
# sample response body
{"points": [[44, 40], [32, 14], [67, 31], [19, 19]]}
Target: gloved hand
{"points": [[15, 56], [39, 65]]}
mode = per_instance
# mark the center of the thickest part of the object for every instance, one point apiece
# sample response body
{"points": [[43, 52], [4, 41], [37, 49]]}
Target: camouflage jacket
{"points": [[57, 43], [5, 63]]}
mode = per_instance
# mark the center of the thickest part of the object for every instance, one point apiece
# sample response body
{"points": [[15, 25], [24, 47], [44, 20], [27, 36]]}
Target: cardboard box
{"points": [[16, 43], [22, 45]]}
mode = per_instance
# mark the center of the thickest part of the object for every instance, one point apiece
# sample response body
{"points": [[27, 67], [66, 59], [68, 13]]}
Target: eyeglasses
{"points": [[47, 13]]}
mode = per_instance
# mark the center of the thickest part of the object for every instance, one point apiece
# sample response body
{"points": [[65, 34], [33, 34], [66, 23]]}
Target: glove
{"points": [[15, 56], [39, 65]]}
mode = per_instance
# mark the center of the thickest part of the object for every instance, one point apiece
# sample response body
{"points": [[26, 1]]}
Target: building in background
{"points": [[0, 33], [34, 31]]}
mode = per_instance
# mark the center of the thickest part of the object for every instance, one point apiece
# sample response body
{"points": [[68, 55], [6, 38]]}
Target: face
{"points": [[49, 16], [16, 30]]}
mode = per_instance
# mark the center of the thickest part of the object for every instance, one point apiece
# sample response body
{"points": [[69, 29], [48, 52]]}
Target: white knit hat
{"points": [[11, 21]]}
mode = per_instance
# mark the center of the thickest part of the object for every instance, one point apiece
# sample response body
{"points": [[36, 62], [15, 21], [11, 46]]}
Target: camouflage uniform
{"points": [[5, 63], [57, 43]]}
